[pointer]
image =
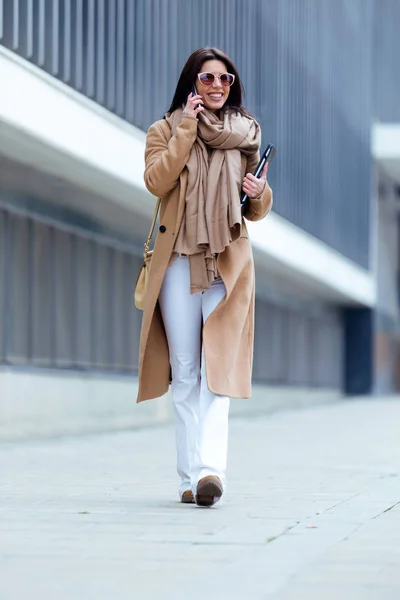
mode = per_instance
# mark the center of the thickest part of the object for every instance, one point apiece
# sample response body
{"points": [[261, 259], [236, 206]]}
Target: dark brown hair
{"points": [[189, 74]]}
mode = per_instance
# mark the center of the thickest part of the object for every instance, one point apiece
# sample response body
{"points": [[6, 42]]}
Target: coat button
{"points": [[163, 229]]}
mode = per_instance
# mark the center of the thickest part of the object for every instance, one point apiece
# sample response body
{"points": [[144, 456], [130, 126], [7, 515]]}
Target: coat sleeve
{"points": [[258, 208], [166, 155]]}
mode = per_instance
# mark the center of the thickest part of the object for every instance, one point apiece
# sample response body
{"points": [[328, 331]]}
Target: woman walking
{"points": [[198, 321]]}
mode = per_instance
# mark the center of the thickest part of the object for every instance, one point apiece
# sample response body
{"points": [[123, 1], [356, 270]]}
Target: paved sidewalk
{"points": [[313, 512]]}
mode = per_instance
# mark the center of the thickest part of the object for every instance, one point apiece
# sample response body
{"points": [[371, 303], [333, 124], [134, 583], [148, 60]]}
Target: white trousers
{"points": [[201, 417]]}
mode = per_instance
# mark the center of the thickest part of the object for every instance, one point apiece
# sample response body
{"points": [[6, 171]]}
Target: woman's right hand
{"points": [[193, 106]]}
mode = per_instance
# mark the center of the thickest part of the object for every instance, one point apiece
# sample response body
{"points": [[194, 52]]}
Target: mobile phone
{"points": [[195, 93], [266, 157]]}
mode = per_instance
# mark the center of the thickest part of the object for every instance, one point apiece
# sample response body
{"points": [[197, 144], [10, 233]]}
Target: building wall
{"points": [[66, 303], [316, 73], [298, 346], [306, 67], [66, 296]]}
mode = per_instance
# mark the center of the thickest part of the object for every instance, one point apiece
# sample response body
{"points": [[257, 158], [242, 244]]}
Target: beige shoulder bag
{"points": [[141, 282]]}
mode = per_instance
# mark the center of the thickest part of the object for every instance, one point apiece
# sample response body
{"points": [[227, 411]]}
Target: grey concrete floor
{"points": [[312, 512]]}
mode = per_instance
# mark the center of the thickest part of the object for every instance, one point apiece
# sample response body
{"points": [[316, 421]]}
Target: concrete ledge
{"points": [[284, 248], [88, 146], [37, 404]]}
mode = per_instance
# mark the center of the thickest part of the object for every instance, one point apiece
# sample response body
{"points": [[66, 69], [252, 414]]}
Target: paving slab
{"points": [[312, 511]]}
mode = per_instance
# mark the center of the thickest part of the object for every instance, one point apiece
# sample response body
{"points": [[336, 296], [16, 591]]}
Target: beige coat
{"points": [[229, 330]]}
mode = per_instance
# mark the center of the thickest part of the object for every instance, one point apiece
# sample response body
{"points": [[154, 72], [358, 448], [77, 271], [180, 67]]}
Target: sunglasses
{"points": [[208, 79]]}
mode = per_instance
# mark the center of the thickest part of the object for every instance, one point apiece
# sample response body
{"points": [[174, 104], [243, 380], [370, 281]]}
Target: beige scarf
{"points": [[212, 218]]}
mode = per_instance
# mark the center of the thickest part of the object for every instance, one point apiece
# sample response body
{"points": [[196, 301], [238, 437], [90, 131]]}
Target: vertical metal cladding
{"points": [[66, 302], [80, 315], [297, 347], [386, 62], [311, 69]]}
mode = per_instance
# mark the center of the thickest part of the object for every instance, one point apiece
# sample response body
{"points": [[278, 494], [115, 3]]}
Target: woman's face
{"points": [[215, 95]]}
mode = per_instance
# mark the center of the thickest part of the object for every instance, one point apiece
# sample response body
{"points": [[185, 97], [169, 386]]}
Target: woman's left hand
{"points": [[254, 187]]}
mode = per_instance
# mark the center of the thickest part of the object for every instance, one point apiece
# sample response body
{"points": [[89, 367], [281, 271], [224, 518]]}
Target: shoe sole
{"points": [[207, 491], [187, 499]]}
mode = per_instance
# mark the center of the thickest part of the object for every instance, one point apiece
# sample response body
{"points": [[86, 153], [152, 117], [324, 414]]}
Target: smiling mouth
{"points": [[215, 96]]}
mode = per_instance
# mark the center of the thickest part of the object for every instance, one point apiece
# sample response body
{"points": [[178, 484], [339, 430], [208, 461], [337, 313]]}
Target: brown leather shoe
{"points": [[187, 497], [209, 491]]}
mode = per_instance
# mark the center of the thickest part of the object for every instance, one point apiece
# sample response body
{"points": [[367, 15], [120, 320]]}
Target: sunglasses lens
{"points": [[206, 78], [227, 79]]}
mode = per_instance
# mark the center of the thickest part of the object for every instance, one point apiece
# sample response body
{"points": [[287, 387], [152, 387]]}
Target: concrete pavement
{"points": [[312, 511]]}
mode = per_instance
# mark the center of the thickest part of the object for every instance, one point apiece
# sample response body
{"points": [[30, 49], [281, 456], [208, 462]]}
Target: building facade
{"points": [[81, 82]]}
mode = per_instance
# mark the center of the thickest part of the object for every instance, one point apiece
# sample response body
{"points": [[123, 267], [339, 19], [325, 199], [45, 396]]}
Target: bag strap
{"points": [[153, 224]]}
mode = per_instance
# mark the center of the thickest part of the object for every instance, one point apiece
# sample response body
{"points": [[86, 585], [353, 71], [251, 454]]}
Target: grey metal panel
{"points": [[65, 299], [26, 28], [78, 34], [386, 62], [101, 307], [55, 38], [110, 58], [66, 302], [15, 37], [66, 41], [41, 35], [120, 301], [92, 275], [84, 306], [42, 297], [294, 347], [130, 62], [64, 289], [6, 22], [3, 266], [17, 321], [100, 51], [91, 45], [120, 58]]}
